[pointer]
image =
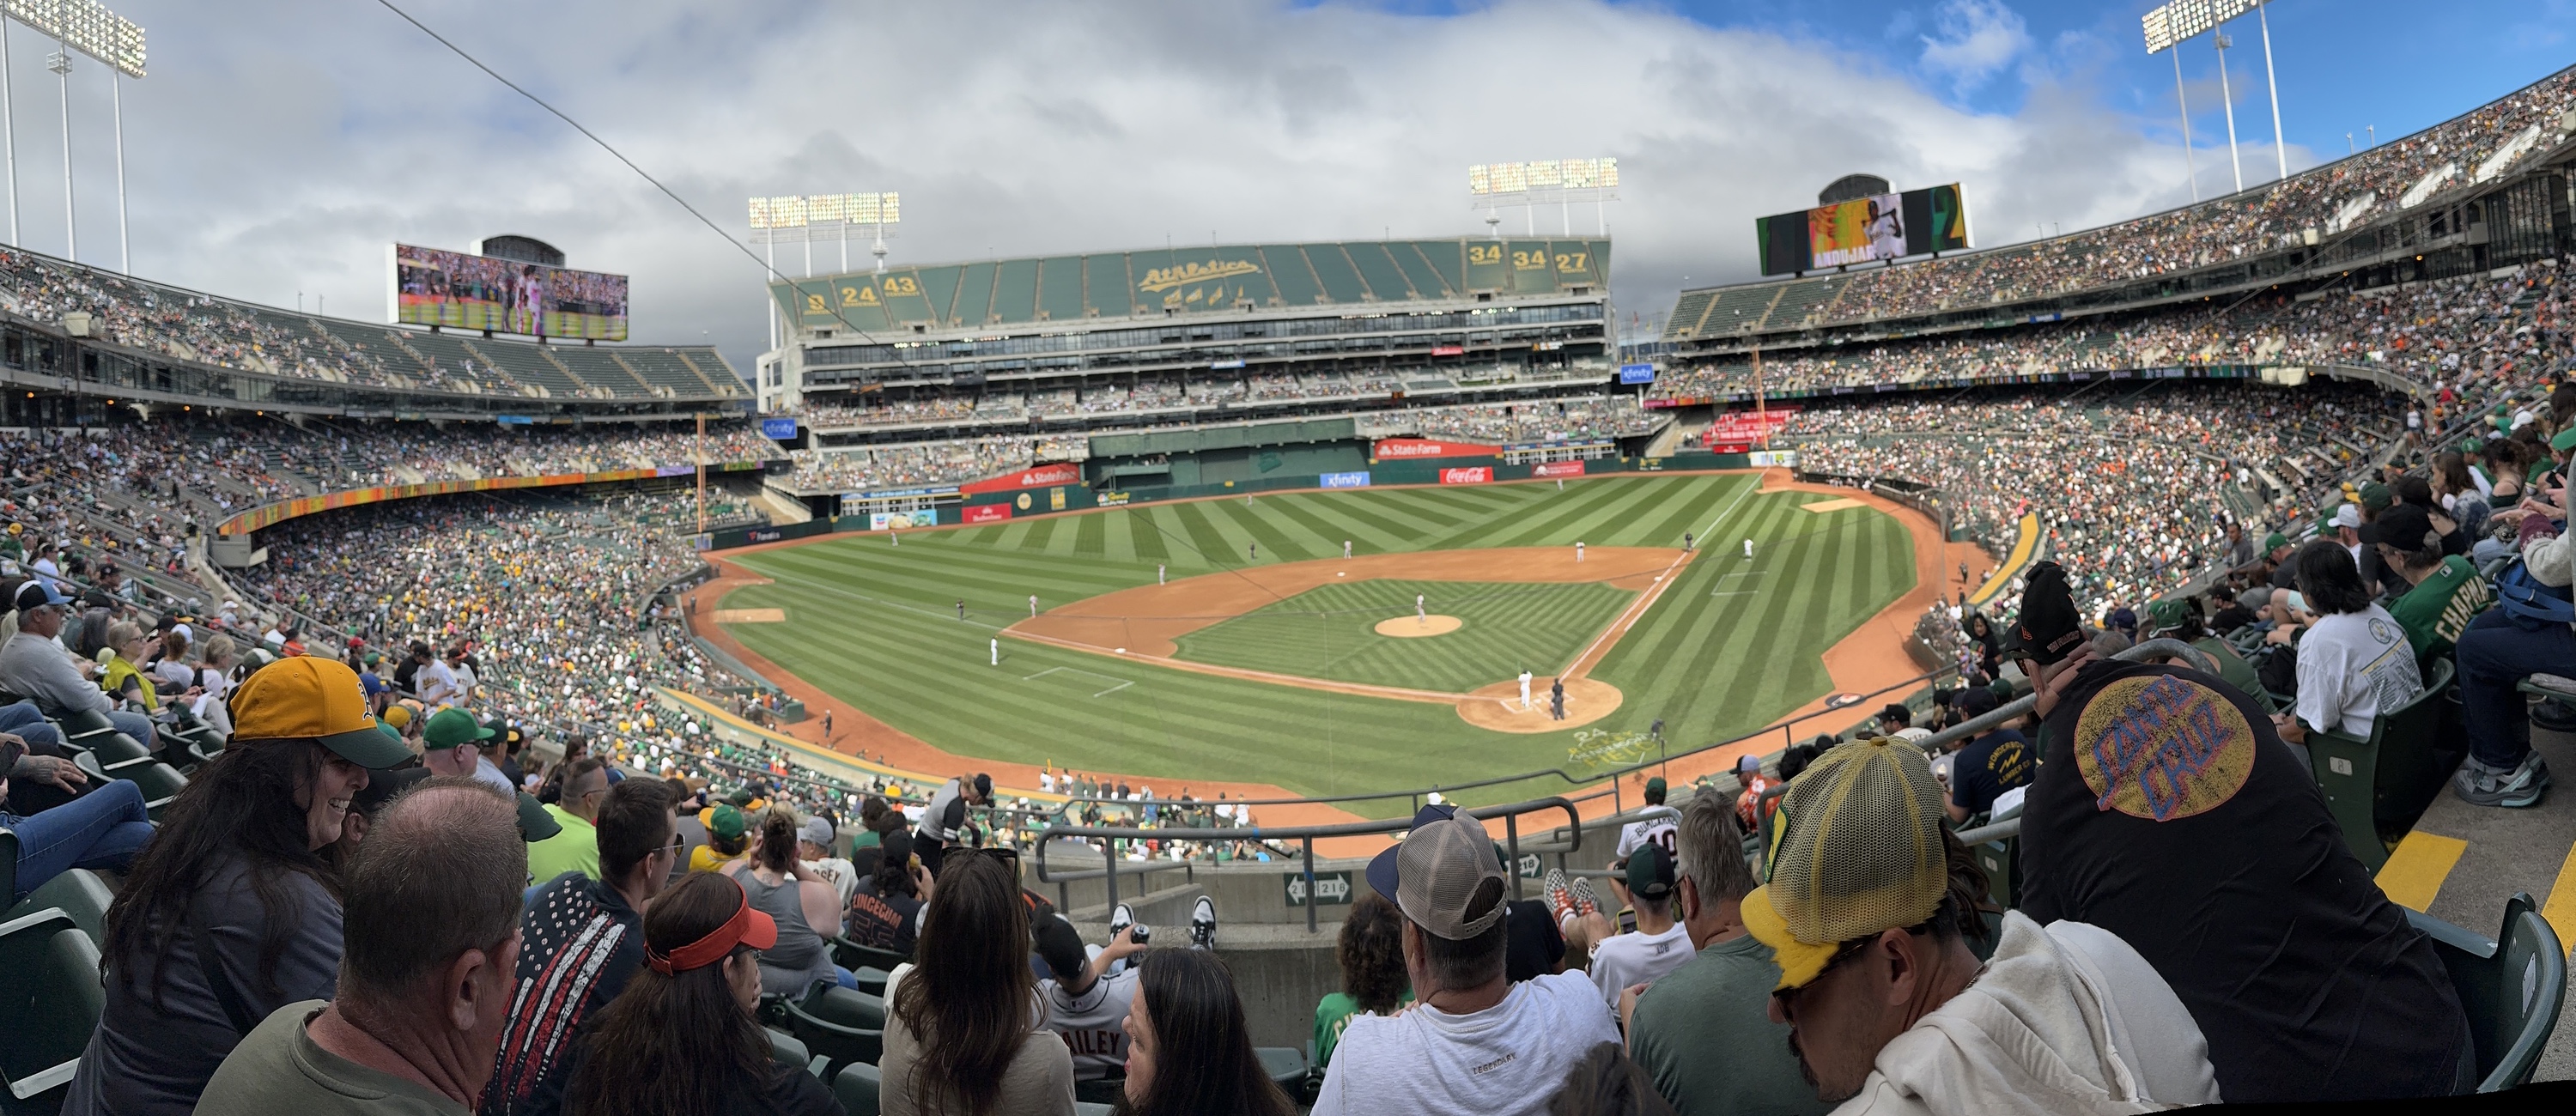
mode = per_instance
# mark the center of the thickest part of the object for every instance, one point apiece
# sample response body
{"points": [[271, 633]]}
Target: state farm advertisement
{"points": [[1040, 477], [1404, 449], [987, 513], [1476, 474], [1557, 469]]}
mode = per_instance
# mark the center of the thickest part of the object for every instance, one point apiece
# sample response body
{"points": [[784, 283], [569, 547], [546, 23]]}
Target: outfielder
{"points": [[1748, 549], [1346, 548], [997, 651]]}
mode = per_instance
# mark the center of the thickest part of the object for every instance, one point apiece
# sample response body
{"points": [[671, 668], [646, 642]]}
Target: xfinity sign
{"points": [[1636, 374]]}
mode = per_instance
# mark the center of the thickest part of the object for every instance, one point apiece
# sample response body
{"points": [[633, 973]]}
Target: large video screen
{"points": [[433, 286], [1878, 227]]}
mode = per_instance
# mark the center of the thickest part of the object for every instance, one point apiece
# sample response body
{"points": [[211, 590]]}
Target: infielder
{"points": [[1578, 552], [1033, 604], [1346, 550], [1159, 579]]}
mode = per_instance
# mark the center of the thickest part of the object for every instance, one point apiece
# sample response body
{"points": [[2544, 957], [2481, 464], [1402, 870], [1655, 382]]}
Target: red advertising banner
{"points": [[1557, 469], [1478, 474], [1747, 426], [1448, 350], [987, 513], [1040, 477], [1403, 449]]}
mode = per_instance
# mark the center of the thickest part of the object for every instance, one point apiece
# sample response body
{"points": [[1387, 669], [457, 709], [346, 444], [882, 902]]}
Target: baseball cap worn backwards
{"points": [[1650, 872], [2047, 629], [450, 727], [2166, 615], [316, 698], [1437, 875], [1861, 854]]}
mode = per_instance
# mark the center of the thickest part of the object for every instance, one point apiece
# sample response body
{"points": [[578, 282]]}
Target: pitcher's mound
{"points": [[1407, 627], [1498, 707]]}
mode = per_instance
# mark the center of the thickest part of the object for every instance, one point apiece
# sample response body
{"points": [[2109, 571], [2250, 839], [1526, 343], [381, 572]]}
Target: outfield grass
{"points": [[1731, 646], [1330, 632]]}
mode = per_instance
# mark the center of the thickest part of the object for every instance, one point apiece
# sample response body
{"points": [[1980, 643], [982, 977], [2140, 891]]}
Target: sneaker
{"points": [[1586, 902], [1560, 899], [2480, 785], [1120, 918], [1203, 924]]}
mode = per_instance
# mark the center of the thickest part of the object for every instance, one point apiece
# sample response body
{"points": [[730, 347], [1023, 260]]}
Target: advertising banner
{"points": [[1040, 477], [1405, 449], [270, 515], [1784, 459], [1478, 474], [1345, 480], [1448, 350], [778, 429], [1636, 374], [1557, 469], [1746, 426], [433, 286], [924, 517], [987, 513]]}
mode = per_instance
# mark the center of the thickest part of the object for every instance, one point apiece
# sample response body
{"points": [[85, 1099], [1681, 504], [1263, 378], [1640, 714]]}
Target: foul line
{"points": [[1122, 683]]}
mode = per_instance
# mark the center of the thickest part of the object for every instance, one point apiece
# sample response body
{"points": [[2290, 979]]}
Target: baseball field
{"points": [[1229, 639]]}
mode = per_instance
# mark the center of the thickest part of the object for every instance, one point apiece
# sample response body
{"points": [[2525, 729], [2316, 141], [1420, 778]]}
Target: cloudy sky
{"points": [[279, 145]]}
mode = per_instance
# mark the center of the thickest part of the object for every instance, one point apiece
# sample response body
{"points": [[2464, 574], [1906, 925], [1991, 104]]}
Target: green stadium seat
{"points": [[2388, 778], [853, 956], [856, 1088], [1286, 1064], [872, 980], [51, 995], [1100, 1090], [838, 1045], [2512, 991], [160, 782], [785, 1050], [832, 1003], [88, 763], [118, 754], [2002, 862], [78, 727], [80, 893]]}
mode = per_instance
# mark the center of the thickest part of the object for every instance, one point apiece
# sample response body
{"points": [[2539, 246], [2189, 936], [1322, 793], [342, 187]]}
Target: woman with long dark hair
{"points": [[1189, 1052], [967, 1035], [233, 910], [883, 908], [682, 1039]]}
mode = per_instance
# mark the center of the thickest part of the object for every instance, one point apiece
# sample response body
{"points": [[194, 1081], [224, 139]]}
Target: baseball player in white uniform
{"points": [[1525, 681]]}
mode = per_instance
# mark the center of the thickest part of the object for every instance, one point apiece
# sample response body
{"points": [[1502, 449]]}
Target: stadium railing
{"points": [[1303, 835], [1415, 797]]}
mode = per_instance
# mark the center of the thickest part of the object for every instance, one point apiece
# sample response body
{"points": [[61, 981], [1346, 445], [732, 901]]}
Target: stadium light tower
{"points": [[804, 219], [86, 27], [2178, 22], [1563, 181]]}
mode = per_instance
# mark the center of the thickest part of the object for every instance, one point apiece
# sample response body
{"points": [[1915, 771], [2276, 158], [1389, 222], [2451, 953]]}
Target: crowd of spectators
{"points": [[2312, 207], [2421, 331]]}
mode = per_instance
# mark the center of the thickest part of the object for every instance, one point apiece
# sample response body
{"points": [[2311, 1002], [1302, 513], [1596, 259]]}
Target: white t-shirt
{"points": [[1507, 1060], [2351, 666], [435, 683], [1661, 831], [1637, 958]]}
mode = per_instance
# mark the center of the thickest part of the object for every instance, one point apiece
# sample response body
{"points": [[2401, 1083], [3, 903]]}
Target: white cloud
{"points": [[279, 145], [1976, 39]]}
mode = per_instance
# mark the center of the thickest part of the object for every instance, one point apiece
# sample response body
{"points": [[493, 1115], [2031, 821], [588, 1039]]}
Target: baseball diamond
{"points": [[1271, 670]]}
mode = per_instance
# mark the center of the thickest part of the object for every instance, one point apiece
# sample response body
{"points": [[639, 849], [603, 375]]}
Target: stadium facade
{"points": [[1189, 338]]}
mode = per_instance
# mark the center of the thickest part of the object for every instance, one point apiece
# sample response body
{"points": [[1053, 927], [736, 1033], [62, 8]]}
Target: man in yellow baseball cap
{"points": [[1872, 915]]}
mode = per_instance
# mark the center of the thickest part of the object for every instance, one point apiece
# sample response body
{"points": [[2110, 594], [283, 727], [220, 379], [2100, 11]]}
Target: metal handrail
{"points": [[1305, 835], [1979, 725], [1785, 727]]}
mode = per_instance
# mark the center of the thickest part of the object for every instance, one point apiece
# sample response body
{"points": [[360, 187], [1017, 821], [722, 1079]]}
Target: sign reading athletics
{"points": [[433, 286], [1877, 227]]}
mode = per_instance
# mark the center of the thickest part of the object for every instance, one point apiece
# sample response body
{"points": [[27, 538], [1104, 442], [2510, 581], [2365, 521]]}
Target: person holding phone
{"points": [[2506, 644]]}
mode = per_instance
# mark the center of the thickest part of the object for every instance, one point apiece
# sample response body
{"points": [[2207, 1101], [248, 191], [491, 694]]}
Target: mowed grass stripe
{"points": [[875, 624], [1329, 632]]}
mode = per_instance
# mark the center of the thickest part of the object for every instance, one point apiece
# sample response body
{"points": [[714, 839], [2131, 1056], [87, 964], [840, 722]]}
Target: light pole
{"points": [[2182, 100], [124, 248], [2280, 153], [9, 130], [2229, 100], [61, 64]]}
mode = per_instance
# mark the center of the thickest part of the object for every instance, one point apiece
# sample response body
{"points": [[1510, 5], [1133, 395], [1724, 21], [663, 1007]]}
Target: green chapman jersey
{"points": [[2439, 608]]}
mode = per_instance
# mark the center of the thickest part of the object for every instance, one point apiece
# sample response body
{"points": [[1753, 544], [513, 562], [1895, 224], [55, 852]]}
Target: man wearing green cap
{"points": [[452, 744], [1659, 944], [1869, 913]]}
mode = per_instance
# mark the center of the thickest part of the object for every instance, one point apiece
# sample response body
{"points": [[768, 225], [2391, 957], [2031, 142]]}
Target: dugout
{"points": [[1230, 458]]}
